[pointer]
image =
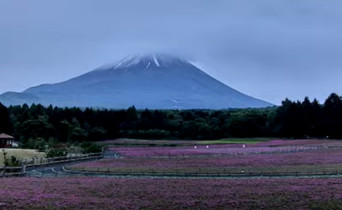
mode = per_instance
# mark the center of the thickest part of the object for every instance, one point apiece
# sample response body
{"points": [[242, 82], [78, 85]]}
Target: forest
{"points": [[38, 125]]}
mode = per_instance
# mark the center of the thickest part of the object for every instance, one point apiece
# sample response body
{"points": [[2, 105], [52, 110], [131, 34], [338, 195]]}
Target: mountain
{"points": [[146, 81]]}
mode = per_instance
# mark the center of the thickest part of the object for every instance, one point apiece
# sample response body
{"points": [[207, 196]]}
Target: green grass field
{"points": [[235, 141], [20, 154], [149, 142]]}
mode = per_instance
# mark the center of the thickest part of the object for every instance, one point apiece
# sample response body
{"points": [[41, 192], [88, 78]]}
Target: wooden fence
{"points": [[7, 171], [112, 171], [41, 162]]}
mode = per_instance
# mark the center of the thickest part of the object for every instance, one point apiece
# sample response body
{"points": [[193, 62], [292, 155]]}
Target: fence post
{"points": [[23, 168], [4, 171]]}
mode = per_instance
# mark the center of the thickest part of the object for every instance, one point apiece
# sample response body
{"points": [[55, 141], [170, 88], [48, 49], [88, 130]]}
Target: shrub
{"points": [[89, 147], [56, 153]]}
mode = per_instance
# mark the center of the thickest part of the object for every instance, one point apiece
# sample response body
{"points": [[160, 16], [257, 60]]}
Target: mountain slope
{"points": [[148, 81]]}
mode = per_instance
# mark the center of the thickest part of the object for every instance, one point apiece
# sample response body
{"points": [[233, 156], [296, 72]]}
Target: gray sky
{"points": [[267, 49]]}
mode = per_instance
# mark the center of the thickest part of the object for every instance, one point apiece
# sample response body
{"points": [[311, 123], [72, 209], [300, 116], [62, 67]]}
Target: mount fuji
{"points": [[145, 81]]}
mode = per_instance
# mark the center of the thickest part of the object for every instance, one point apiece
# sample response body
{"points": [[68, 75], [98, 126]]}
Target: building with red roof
{"points": [[7, 141]]}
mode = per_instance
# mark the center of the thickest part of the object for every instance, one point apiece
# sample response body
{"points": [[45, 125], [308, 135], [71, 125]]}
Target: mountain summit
{"points": [[150, 60], [146, 81]]}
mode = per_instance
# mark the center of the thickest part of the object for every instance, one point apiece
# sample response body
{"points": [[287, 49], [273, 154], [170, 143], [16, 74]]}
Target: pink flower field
{"points": [[207, 150], [273, 146], [307, 156], [306, 161], [119, 193], [279, 156]]}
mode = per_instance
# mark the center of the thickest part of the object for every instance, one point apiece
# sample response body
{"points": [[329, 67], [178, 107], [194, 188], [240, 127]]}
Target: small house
{"points": [[8, 141]]}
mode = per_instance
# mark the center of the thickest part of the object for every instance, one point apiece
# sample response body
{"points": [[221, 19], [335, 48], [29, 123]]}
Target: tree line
{"points": [[292, 119]]}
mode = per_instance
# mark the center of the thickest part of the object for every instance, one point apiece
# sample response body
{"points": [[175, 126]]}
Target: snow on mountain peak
{"points": [[158, 60], [155, 59], [127, 62], [145, 62]]}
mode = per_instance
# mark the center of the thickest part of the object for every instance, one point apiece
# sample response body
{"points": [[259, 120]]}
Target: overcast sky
{"points": [[269, 49]]}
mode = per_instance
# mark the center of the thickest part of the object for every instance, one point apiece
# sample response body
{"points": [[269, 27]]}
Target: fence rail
{"points": [[7, 171], [40, 162], [111, 171]]}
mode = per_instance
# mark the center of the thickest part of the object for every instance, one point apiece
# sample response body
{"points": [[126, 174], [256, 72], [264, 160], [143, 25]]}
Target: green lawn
{"points": [[136, 142], [236, 141], [20, 154]]}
